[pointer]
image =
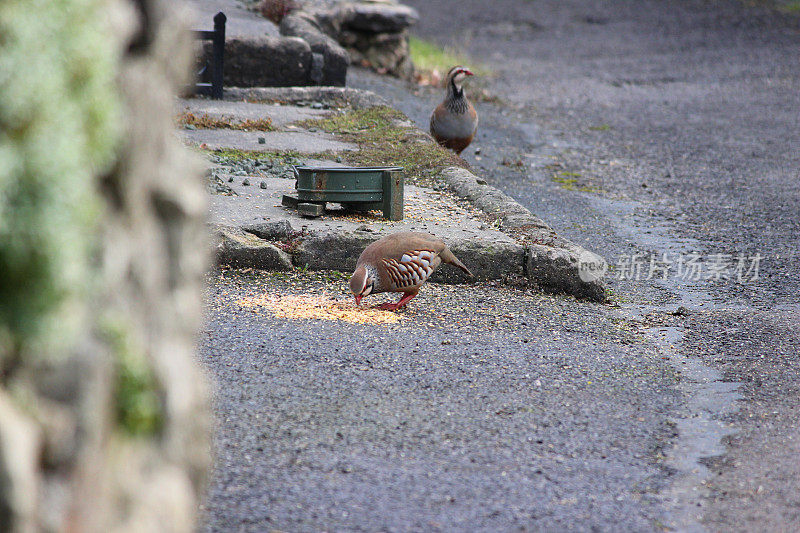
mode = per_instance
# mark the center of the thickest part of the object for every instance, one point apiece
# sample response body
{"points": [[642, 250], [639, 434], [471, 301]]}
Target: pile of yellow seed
{"points": [[319, 308]]}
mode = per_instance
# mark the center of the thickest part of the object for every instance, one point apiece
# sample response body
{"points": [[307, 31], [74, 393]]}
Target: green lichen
{"points": [[58, 116], [138, 406], [569, 181]]}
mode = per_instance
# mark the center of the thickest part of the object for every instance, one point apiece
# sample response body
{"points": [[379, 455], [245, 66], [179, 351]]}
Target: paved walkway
{"points": [[487, 408], [254, 195]]}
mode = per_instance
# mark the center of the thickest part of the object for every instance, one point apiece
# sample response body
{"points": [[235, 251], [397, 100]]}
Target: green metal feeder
{"points": [[356, 188]]}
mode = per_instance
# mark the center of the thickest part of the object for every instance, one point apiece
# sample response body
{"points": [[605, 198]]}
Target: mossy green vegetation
{"points": [[277, 156], [384, 139], [138, 407], [59, 117], [569, 181], [790, 7], [205, 121], [428, 56]]}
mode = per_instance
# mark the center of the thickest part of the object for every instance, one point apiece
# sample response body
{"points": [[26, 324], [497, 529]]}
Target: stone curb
{"points": [[337, 96], [550, 262], [240, 249], [279, 246]]}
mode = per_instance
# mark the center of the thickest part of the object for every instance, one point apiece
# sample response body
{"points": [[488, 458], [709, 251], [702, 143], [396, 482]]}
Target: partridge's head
{"points": [[457, 75], [361, 283]]}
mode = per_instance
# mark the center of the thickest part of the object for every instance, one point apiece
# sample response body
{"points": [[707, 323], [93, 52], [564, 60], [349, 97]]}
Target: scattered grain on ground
{"points": [[318, 307]]}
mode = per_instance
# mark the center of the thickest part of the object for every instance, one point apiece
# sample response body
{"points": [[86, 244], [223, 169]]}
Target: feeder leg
{"points": [[393, 194], [310, 210], [289, 201]]}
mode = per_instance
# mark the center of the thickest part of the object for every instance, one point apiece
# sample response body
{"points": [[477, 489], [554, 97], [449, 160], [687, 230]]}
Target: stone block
{"points": [[558, 270], [310, 210], [239, 249], [485, 260], [332, 251], [279, 230], [335, 59], [377, 17], [266, 62]]}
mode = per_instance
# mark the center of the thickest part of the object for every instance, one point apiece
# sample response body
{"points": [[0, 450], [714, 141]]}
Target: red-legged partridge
{"points": [[400, 262], [454, 121]]}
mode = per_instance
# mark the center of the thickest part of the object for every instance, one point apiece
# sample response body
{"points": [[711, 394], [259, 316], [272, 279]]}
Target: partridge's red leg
{"points": [[403, 301]]}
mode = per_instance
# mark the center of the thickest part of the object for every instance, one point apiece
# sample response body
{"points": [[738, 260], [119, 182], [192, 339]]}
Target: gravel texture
{"points": [[484, 409]]}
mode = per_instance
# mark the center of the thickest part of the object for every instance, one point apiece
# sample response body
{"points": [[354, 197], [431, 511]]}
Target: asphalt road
{"points": [[641, 127], [485, 408]]}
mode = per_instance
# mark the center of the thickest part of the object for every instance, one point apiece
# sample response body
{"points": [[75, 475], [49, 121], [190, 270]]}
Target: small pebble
{"points": [[263, 185], [338, 159], [246, 182], [262, 140], [230, 180], [478, 150]]}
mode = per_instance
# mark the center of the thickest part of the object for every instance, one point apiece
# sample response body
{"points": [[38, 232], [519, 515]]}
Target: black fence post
{"points": [[219, 55], [211, 76]]}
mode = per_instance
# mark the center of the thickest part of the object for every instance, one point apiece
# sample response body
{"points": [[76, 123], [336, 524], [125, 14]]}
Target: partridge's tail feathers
{"points": [[448, 257]]}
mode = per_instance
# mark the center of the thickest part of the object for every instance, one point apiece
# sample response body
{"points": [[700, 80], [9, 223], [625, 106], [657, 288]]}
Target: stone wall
{"points": [[374, 33], [287, 61], [103, 417]]}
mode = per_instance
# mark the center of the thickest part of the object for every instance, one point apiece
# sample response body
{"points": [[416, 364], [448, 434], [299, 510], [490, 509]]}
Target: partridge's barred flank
{"points": [[412, 269], [400, 262], [454, 121]]}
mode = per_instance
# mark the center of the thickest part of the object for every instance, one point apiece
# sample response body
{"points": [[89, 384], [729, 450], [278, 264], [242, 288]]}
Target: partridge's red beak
{"points": [[467, 72], [358, 299]]}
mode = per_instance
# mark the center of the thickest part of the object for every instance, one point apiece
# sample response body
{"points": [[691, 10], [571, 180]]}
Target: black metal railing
{"points": [[210, 83]]}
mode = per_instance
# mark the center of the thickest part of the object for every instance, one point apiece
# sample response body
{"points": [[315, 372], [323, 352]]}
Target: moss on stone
{"points": [[58, 131], [384, 137], [205, 121], [280, 156], [138, 407]]}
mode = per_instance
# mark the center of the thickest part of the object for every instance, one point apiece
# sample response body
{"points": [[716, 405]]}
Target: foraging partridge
{"points": [[400, 262], [454, 121]]}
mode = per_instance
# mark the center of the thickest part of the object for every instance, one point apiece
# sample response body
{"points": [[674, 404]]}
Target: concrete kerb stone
{"points": [[238, 248], [487, 261], [331, 250], [334, 96], [551, 262], [548, 261]]}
